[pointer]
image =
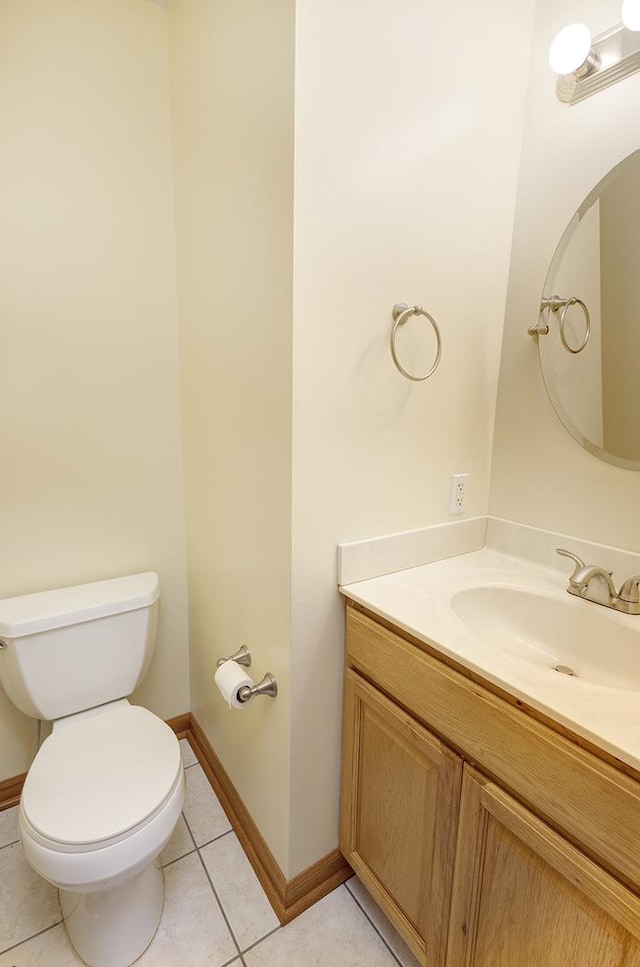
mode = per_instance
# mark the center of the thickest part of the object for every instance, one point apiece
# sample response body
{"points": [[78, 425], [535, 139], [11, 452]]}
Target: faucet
{"points": [[593, 583]]}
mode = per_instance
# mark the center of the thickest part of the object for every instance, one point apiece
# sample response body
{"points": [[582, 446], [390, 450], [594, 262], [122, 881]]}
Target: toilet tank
{"points": [[65, 651]]}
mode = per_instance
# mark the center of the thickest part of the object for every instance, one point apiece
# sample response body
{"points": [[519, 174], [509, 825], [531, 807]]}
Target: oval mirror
{"points": [[589, 326]]}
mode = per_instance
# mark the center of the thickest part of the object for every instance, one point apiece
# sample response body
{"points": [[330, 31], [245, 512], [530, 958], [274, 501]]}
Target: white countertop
{"points": [[418, 600]]}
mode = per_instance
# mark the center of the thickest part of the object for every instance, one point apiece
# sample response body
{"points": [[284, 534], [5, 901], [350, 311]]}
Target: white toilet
{"points": [[106, 788]]}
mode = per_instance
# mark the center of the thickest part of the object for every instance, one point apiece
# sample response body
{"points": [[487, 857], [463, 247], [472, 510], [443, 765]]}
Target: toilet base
{"points": [[113, 928]]}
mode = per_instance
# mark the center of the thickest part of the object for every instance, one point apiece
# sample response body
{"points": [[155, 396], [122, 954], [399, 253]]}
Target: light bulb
{"points": [[570, 49], [631, 14]]}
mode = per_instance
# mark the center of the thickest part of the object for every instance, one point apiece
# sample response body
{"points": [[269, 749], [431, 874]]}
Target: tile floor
{"points": [[216, 913]]}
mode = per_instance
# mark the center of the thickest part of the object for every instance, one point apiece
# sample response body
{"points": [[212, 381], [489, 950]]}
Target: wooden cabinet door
{"points": [[400, 796], [525, 897]]}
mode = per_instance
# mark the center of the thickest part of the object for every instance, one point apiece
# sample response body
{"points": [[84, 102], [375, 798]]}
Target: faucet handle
{"points": [[630, 590], [574, 557]]}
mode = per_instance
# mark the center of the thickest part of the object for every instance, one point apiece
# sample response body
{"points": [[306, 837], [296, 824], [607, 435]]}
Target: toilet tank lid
{"points": [[29, 614]]}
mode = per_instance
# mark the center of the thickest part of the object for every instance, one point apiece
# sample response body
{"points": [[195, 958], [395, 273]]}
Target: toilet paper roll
{"points": [[229, 677]]}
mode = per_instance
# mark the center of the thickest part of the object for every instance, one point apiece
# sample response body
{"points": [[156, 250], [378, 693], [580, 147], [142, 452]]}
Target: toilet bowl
{"points": [[99, 803], [106, 788]]}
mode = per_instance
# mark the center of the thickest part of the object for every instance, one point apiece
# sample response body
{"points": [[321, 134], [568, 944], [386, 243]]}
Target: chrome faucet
{"points": [[593, 583]]}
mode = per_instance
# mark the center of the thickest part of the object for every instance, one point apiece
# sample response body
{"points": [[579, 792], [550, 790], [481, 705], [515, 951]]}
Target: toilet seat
{"points": [[100, 778]]}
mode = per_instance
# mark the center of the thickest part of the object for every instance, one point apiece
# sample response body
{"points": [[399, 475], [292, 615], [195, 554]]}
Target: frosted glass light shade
{"points": [[631, 14], [570, 48]]}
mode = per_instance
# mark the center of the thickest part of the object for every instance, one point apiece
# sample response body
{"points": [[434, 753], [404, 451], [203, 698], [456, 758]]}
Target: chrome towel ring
{"points": [[557, 304], [401, 312]]}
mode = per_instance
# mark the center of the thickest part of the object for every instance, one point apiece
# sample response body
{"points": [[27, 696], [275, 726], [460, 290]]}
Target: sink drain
{"points": [[564, 670]]}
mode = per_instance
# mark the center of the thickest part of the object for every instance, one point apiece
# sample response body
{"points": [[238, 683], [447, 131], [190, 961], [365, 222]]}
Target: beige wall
{"points": [[232, 116], [405, 181], [91, 480], [541, 476], [400, 193]]}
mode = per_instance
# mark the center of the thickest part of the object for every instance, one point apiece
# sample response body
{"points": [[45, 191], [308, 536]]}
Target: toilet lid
{"points": [[95, 778]]}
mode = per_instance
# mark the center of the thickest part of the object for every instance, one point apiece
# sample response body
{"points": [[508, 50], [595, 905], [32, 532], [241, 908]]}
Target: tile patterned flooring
{"points": [[216, 913]]}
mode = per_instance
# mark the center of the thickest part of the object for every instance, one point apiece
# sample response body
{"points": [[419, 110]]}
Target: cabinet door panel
{"points": [[400, 796], [523, 895]]}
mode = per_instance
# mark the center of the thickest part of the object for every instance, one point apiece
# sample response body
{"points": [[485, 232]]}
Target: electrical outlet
{"points": [[458, 492]]}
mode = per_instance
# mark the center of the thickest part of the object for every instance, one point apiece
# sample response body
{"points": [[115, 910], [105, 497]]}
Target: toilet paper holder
{"points": [[268, 685], [242, 657]]}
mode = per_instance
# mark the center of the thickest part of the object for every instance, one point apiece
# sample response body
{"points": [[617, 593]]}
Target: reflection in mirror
{"points": [[596, 391]]}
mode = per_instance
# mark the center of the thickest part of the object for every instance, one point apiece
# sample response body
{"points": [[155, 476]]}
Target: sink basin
{"points": [[571, 638]]}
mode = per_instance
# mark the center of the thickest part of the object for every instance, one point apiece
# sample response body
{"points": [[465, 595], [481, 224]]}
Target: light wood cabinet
{"points": [[536, 866], [525, 896], [400, 796]]}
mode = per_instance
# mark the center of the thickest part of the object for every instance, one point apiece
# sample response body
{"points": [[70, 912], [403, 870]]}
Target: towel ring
{"points": [[401, 312], [587, 332], [556, 303]]}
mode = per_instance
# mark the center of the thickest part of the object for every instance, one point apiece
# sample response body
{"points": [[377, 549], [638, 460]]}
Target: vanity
{"points": [[491, 764], [490, 794]]}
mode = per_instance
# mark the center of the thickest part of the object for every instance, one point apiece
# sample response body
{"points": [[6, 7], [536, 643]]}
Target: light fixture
{"points": [[570, 50], [585, 66], [631, 14]]}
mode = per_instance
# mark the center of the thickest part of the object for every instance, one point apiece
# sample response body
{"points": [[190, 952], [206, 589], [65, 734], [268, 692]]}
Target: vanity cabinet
{"points": [[489, 838]]}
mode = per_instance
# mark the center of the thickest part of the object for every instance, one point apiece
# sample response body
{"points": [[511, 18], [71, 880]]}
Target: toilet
{"points": [[106, 788]]}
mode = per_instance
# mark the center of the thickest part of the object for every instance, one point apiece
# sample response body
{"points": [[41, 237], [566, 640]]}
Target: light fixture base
{"points": [[616, 55]]}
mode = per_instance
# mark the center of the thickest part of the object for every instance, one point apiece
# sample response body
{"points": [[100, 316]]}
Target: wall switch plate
{"points": [[458, 492]]}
